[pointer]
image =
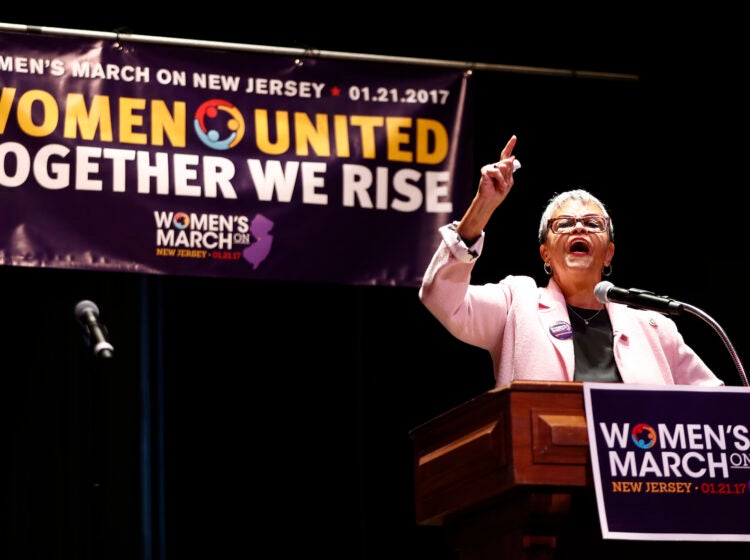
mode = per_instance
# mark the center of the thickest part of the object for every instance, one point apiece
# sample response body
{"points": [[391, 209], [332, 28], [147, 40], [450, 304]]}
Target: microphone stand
{"points": [[98, 392], [97, 451], [725, 339]]}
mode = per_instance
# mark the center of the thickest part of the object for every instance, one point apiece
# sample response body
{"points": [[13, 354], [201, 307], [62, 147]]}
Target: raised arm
{"points": [[494, 186]]}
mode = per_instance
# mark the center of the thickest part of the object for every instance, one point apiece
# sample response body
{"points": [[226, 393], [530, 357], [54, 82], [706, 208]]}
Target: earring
{"points": [[607, 270], [547, 269]]}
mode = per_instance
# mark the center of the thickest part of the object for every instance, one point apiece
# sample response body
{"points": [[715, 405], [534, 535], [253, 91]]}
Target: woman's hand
{"points": [[497, 178], [494, 186]]}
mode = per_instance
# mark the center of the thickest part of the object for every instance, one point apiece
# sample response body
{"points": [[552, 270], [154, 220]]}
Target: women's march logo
{"points": [[181, 220], [643, 435], [219, 124]]}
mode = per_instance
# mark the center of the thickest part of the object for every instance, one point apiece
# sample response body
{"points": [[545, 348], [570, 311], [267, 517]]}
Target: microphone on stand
{"points": [[95, 333], [606, 292], [640, 299]]}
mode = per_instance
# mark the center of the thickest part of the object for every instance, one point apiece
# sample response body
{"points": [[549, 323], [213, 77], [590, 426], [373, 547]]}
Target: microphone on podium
{"points": [[640, 299], [95, 333], [606, 292]]}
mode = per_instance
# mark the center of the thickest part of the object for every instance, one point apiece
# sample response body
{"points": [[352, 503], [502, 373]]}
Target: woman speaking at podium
{"points": [[561, 331]]}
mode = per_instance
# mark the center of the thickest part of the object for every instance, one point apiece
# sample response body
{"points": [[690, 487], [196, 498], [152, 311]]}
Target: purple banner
{"points": [[171, 159], [670, 463]]}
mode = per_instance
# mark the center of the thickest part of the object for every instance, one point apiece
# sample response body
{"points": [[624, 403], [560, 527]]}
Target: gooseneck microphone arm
{"points": [[724, 338], [640, 299]]}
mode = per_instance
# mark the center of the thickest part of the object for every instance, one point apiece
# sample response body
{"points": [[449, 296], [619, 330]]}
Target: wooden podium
{"points": [[498, 472]]}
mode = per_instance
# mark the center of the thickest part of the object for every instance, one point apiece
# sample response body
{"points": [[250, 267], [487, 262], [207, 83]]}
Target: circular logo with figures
{"points": [[219, 124], [643, 435], [181, 220]]}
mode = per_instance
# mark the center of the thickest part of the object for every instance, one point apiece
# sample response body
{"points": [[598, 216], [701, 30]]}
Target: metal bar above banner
{"points": [[314, 53]]}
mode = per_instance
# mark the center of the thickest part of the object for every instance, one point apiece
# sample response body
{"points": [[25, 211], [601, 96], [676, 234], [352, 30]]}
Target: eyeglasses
{"points": [[592, 223]]}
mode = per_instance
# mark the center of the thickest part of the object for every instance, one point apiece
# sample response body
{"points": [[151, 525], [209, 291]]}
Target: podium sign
{"points": [[670, 463]]}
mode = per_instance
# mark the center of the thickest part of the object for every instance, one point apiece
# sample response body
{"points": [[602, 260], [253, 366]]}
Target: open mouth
{"points": [[579, 246]]}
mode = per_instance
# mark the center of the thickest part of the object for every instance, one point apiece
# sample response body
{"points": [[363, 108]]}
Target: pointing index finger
{"points": [[508, 149]]}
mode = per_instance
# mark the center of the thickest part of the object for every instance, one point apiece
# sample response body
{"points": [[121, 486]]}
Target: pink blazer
{"points": [[514, 320]]}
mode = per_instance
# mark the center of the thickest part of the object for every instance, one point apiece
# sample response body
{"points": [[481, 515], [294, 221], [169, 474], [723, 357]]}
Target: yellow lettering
{"points": [[263, 137], [78, 118], [396, 138], [315, 136], [431, 132], [50, 114]]}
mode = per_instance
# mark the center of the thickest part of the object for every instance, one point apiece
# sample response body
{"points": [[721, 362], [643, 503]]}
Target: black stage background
{"points": [[245, 419]]}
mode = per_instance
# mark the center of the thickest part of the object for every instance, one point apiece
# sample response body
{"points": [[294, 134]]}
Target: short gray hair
{"points": [[559, 199]]}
